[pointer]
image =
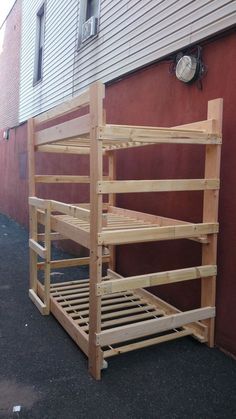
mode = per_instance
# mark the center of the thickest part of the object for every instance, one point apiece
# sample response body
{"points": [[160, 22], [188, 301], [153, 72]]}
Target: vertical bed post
{"points": [[95, 268], [47, 266], [33, 225], [112, 202], [210, 212]]}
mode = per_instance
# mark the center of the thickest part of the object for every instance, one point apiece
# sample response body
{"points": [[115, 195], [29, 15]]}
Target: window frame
{"points": [[82, 19], [39, 44]]}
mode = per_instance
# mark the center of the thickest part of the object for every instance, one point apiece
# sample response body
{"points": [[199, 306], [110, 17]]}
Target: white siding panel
{"points": [[132, 34], [59, 54]]}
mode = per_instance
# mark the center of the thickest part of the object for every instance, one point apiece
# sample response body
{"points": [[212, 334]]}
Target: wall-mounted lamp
{"points": [[188, 67]]}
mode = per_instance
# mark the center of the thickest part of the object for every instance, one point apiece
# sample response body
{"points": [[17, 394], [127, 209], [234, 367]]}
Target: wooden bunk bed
{"points": [[110, 315]]}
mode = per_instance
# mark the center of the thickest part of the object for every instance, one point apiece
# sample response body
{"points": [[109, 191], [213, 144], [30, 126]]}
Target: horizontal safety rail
{"points": [[153, 326], [160, 278], [72, 210], [70, 263], [66, 130], [61, 179], [64, 108], [149, 234], [38, 202], [132, 186], [114, 133]]}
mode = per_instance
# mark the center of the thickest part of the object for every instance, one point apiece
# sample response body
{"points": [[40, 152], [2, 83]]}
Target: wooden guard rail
{"points": [[154, 279]]}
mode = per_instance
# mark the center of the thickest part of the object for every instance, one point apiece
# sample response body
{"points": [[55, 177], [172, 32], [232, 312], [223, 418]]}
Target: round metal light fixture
{"points": [[187, 68]]}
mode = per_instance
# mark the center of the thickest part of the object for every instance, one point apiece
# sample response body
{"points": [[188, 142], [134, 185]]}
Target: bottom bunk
{"points": [[130, 319]]}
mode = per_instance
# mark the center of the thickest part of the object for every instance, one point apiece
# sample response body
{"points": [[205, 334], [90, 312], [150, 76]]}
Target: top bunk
{"points": [[52, 134]]}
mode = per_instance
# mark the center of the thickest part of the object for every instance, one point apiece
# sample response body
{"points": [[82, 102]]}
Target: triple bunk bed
{"points": [[108, 314]]}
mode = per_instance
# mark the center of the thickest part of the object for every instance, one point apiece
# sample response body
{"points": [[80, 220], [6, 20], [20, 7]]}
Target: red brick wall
{"points": [[10, 68], [154, 97]]}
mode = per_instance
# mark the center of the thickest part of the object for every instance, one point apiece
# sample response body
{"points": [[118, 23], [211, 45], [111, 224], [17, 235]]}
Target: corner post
{"points": [[33, 224], [95, 268], [112, 202], [47, 266], [210, 213]]}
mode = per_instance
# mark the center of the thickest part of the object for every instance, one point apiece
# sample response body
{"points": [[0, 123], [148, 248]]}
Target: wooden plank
{"points": [[154, 219], [36, 247], [61, 284], [64, 149], [210, 211], [69, 129], [66, 263], [67, 323], [205, 126], [96, 174], [156, 233], [33, 257], [153, 326], [31, 156], [37, 202], [199, 330], [71, 232], [77, 299], [108, 304], [41, 306], [115, 133], [78, 284], [129, 319], [64, 108], [116, 310], [145, 343], [159, 278], [47, 265], [53, 236], [137, 186], [33, 225], [112, 165], [61, 179], [72, 210], [59, 294]]}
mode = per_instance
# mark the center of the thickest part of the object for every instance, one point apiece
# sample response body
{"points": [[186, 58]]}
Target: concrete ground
{"points": [[42, 370]]}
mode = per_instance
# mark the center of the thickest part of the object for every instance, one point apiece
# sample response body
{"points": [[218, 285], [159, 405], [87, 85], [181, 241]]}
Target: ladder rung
{"points": [[40, 250]]}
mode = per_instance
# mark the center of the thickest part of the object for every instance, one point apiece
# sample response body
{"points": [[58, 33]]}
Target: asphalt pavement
{"points": [[43, 374]]}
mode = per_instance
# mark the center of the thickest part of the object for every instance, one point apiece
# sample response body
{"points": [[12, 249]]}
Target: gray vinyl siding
{"points": [[135, 33], [58, 59], [131, 34]]}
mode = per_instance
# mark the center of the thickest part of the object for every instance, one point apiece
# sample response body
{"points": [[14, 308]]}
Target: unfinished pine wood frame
{"points": [[110, 315]]}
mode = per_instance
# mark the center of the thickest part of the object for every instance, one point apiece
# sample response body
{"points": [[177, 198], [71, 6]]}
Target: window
{"points": [[91, 9], [88, 20], [38, 67]]}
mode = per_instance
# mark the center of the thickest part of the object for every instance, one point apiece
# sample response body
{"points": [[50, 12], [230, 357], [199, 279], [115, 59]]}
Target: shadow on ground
{"points": [[43, 371]]}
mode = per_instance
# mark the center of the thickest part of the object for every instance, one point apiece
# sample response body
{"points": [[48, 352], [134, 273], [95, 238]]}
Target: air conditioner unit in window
{"points": [[89, 28]]}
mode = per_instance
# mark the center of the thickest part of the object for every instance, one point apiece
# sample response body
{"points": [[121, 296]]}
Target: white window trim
{"points": [[41, 11], [82, 20]]}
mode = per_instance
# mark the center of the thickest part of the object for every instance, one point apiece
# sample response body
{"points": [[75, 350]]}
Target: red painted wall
{"points": [[154, 97]]}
